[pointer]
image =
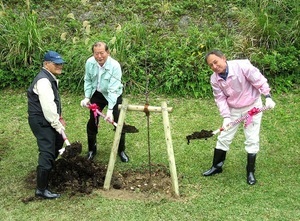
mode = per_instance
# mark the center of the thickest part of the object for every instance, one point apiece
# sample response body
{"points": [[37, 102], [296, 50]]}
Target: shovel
{"points": [[204, 134], [64, 136], [71, 150], [126, 128]]}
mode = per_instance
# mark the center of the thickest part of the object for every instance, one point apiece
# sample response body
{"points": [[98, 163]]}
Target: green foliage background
{"points": [[160, 42]]}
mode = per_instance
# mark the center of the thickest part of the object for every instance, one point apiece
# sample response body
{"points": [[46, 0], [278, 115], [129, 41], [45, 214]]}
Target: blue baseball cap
{"points": [[53, 57]]}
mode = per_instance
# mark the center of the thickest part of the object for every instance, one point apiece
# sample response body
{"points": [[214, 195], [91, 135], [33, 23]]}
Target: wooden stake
{"points": [[113, 155], [114, 150], [170, 151], [142, 108]]}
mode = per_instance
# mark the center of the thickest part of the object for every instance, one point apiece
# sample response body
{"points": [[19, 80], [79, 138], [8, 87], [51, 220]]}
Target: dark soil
{"points": [[203, 134], [73, 174], [129, 129]]}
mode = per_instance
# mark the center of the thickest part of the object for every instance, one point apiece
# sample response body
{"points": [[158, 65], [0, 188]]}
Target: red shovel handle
{"points": [[65, 138], [94, 108], [250, 113]]}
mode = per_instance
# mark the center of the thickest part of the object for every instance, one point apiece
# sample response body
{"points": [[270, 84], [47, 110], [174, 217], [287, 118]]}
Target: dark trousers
{"points": [[92, 125], [48, 141]]}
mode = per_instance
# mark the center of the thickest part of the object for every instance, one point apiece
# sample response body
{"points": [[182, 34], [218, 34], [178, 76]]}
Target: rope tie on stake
{"points": [[146, 110]]}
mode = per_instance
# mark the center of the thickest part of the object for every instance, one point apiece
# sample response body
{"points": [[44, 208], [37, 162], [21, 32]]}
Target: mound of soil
{"points": [[74, 174]]}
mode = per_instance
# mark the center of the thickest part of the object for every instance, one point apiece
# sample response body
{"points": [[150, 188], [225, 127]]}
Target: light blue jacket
{"points": [[110, 80]]}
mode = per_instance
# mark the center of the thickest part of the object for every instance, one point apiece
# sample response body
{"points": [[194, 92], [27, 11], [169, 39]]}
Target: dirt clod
{"points": [[203, 134], [72, 151], [129, 129]]}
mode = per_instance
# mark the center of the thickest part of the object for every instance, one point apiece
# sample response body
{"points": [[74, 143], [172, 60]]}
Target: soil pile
{"points": [[75, 174]]}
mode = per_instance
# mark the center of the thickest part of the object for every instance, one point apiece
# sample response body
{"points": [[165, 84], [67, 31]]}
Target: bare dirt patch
{"points": [[73, 174]]}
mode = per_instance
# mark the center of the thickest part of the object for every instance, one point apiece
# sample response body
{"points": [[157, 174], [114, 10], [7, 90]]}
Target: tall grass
{"points": [[22, 45], [161, 40]]}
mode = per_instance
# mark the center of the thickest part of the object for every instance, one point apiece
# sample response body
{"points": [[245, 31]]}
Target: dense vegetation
{"points": [[158, 43]]}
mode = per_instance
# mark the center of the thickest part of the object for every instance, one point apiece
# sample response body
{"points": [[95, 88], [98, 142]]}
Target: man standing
{"points": [[45, 119], [237, 87], [102, 86]]}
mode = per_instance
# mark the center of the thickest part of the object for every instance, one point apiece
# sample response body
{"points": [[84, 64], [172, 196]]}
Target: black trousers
{"points": [[92, 125], [99, 99], [48, 141]]}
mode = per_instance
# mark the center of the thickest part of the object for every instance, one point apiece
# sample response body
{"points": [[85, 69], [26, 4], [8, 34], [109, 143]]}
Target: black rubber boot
{"points": [[251, 158], [92, 145], [42, 184], [121, 149], [218, 162]]}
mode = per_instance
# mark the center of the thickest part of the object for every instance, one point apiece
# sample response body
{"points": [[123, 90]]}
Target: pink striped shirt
{"points": [[243, 86]]}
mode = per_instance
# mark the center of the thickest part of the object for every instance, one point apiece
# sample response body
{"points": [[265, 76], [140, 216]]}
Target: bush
{"points": [[281, 67], [160, 45]]}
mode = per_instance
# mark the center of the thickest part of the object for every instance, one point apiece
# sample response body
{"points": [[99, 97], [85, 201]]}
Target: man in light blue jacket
{"points": [[102, 86]]}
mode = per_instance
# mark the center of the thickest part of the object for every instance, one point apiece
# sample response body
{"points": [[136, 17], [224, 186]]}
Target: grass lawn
{"points": [[225, 196]]}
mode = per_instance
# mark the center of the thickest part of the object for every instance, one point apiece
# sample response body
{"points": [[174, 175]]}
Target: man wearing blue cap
{"points": [[45, 119]]}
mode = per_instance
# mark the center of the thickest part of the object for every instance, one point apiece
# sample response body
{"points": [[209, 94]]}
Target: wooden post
{"points": [[170, 151], [131, 107], [113, 155], [114, 150]]}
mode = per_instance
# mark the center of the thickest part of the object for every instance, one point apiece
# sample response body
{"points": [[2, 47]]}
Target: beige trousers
{"points": [[251, 132]]}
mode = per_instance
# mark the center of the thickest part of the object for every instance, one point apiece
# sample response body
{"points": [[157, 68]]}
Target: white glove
{"points": [[270, 103], [226, 123], [109, 115], [85, 102]]}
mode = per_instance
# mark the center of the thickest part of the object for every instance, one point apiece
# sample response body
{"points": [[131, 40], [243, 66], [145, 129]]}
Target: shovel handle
{"points": [[237, 121], [65, 138], [94, 107], [108, 120], [216, 131]]}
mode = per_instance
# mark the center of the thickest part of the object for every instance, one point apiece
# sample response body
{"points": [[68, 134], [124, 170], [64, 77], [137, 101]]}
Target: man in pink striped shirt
{"points": [[237, 87]]}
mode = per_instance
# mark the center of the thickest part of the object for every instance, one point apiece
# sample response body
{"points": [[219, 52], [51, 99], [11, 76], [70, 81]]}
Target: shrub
{"points": [[160, 44]]}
